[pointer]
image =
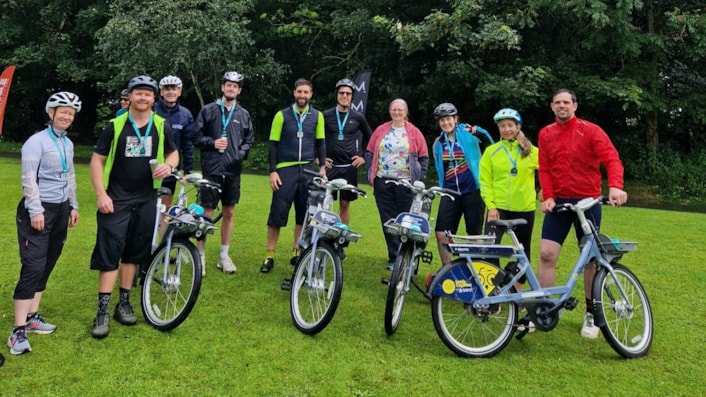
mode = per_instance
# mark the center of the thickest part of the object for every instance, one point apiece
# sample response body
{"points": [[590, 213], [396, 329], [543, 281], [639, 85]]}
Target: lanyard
{"points": [[341, 124], [62, 154], [137, 130], [225, 121], [300, 121], [513, 161]]}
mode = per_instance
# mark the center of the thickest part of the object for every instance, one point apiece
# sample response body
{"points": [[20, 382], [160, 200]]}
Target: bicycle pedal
{"points": [[286, 284], [570, 304], [427, 257]]}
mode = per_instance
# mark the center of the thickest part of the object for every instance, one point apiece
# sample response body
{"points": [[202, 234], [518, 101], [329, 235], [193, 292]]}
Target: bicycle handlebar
{"points": [[420, 188]]}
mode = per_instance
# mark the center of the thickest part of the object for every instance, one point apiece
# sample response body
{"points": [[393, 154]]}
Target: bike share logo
{"points": [[456, 286]]}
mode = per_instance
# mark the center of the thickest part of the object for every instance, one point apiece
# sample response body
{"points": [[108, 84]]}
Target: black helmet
{"points": [[234, 77], [143, 82], [345, 83], [445, 109]]}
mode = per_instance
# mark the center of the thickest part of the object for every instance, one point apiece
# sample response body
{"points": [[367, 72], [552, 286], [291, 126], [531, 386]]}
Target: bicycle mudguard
{"points": [[455, 280]]}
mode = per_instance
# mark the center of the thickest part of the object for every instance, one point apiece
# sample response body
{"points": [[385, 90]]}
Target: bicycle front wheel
{"points": [[470, 332], [397, 287], [628, 332], [170, 290], [316, 288]]}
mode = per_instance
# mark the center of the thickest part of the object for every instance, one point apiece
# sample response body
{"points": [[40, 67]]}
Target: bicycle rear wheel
{"points": [[470, 332], [169, 294], [629, 333], [398, 287], [313, 301]]}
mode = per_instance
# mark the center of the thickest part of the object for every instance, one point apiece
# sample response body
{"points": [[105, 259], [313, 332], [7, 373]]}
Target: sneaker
{"points": [[227, 265], [123, 314], [100, 326], [37, 325], [267, 265], [295, 257], [589, 330], [18, 344], [203, 263], [390, 265], [530, 326]]}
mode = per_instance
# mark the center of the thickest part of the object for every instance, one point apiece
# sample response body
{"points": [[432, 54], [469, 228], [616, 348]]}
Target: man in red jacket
{"points": [[571, 151]]}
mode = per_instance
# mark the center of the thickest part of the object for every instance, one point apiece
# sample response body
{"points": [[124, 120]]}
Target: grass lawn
{"points": [[239, 340]]}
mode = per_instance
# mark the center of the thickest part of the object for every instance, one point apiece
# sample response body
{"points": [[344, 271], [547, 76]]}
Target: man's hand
{"points": [[73, 218], [37, 222], [104, 203], [329, 162], [493, 214], [275, 182], [547, 205], [617, 197], [357, 161]]}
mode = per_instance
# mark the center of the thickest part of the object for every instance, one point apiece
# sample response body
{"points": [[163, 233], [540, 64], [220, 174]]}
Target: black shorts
{"points": [[124, 236], [556, 225], [170, 183], [294, 189], [468, 205], [350, 174], [229, 194]]}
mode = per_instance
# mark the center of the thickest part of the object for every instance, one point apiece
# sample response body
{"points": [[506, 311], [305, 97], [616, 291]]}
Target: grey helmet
{"points": [[143, 82], [234, 77], [345, 83], [63, 98], [445, 109], [124, 92], [171, 80]]}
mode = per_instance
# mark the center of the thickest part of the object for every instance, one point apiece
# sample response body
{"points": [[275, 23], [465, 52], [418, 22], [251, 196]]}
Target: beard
{"points": [[302, 102]]}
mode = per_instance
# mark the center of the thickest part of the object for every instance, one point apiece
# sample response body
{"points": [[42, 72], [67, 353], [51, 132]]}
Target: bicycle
{"points": [[172, 280], [475, 305], [317, 280], [413, 230]]}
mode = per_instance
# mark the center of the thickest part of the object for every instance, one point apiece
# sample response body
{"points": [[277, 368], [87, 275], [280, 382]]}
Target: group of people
{"points": [[497, 176]]}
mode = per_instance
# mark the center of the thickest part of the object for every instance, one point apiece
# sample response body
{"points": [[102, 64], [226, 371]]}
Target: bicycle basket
{"points": [[612, 246], [414, 227]]}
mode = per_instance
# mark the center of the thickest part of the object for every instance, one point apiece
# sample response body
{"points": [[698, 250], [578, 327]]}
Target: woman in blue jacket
{"points": [[457, 153]]}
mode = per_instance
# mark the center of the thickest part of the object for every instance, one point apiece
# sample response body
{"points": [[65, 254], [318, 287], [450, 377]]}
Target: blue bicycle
{"points": [[475, 305]]}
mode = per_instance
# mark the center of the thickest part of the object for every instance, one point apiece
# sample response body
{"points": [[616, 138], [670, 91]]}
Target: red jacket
{"points": [[570, 156]]}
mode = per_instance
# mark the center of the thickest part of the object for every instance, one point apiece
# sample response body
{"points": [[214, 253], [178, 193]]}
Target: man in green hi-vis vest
{"points": [[126, 194]]}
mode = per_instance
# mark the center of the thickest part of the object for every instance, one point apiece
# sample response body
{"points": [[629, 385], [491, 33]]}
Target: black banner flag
{"points": [[360, 92]]}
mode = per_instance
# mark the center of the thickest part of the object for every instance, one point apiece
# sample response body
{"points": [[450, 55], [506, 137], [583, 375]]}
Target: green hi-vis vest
{"points": [[118, 124]]}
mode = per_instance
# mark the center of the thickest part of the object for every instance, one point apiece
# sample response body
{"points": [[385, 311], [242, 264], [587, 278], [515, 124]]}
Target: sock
{"points": [[30, 316], [103, 301], [271, 253], [124, 295], [589, 305], [224, 250]]}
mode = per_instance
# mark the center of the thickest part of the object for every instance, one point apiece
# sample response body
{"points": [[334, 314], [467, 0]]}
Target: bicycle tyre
{"points": [[313, 306], [468, 332], [398, 287], [629, 334], [165, 307]]}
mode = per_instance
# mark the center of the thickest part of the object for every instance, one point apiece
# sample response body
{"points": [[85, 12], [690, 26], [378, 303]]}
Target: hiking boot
{"points": [[295, 257], [589, 330], [37, 325], [123, 314], [227, 265], [202, 256], [18, 343], [100, 326], [267, 265]]}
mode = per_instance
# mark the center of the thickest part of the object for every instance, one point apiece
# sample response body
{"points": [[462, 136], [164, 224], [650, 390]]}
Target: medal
{"points": [[513, 171]]}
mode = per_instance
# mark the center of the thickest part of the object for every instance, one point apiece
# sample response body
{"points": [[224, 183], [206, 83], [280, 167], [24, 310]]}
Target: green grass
{"points": [[239, 340]]}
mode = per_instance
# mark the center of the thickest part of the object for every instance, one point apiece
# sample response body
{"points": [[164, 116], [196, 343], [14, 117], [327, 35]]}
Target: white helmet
{"points": [[63, 98], [170, 80]]}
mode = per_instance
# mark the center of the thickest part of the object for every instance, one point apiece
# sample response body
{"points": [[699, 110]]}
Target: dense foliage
{"points": [[637, 65]]}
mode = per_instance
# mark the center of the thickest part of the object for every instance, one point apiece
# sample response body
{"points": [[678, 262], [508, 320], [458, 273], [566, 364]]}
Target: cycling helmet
{"points": [[508, 113], [124, 92], [143, 82], [170, 80], [234, 77], [445, 109], [64, 98], [345, 83]]}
